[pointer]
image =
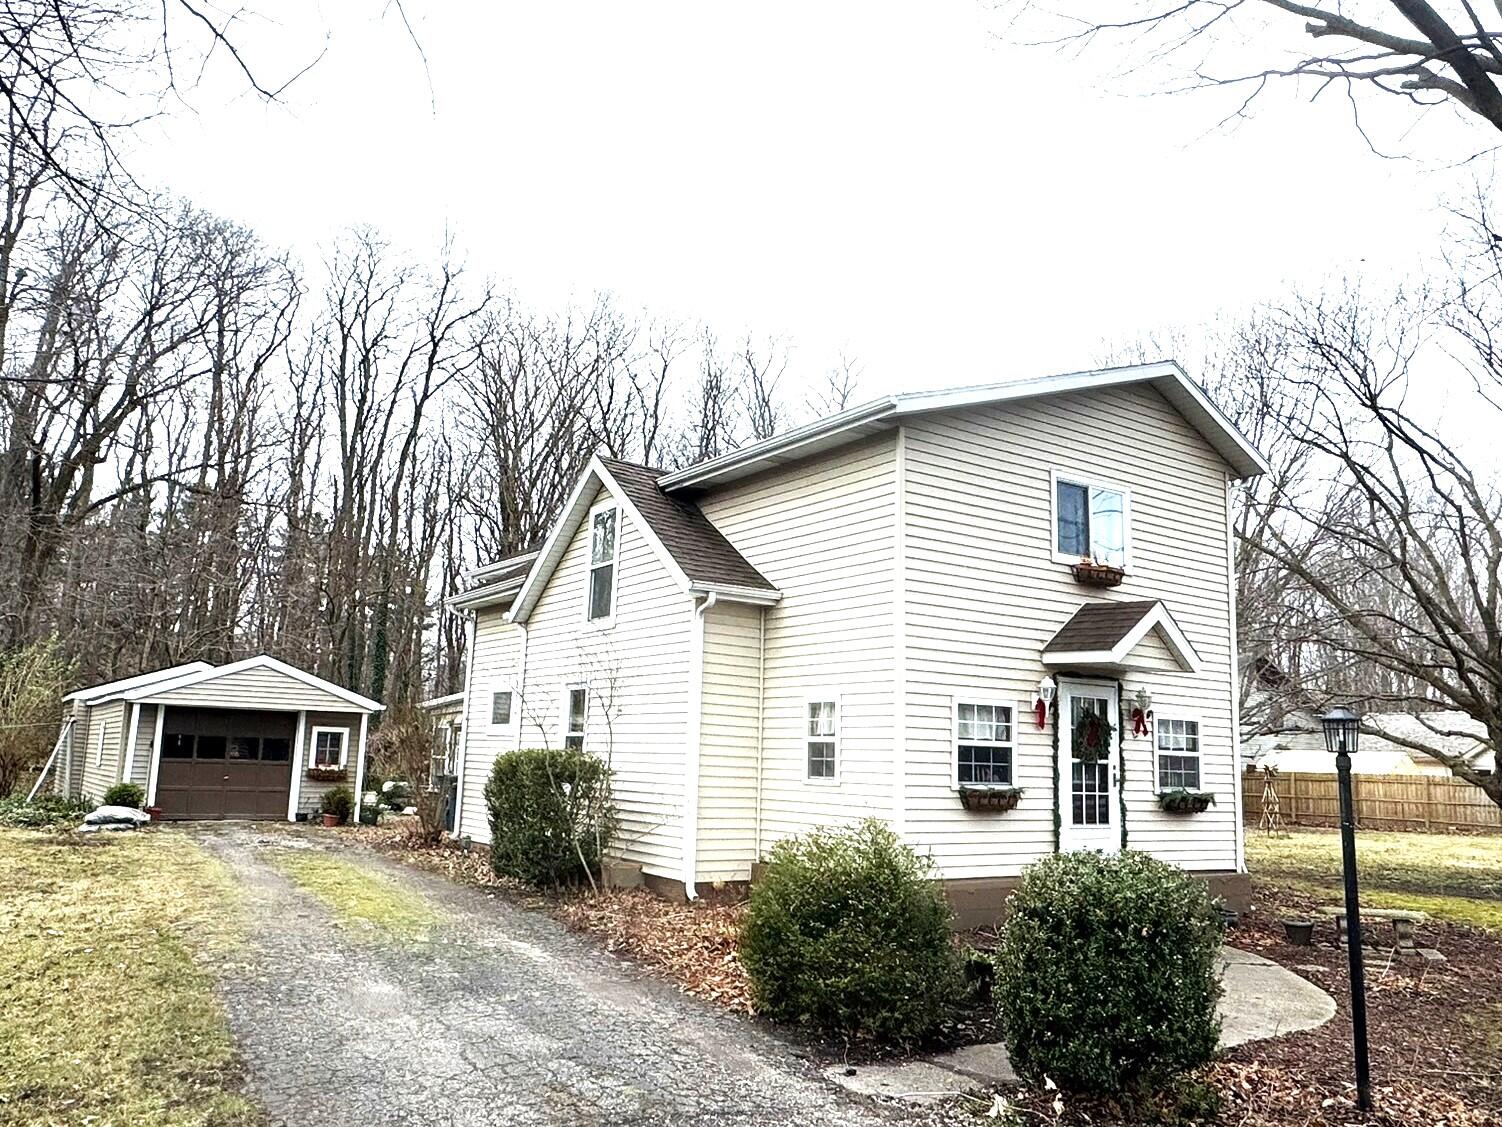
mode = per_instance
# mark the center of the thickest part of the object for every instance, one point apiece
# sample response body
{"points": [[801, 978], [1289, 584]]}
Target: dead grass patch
{"points": [[107, 1017]]}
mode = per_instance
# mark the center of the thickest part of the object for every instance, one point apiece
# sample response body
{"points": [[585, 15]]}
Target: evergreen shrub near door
{"points": [[847, 931], [1106, 974], [125, 794], [551, 815]]}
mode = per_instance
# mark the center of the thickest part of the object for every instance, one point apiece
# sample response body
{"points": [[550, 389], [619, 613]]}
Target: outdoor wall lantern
{"points": [[1142, 712], [1044, 701], [1342, 731]]}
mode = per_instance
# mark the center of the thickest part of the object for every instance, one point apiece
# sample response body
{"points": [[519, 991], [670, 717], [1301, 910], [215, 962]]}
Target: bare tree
{"points": [[1423, 53]]}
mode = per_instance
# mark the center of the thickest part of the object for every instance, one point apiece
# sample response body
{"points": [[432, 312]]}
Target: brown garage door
{"points": [[225, 763]]}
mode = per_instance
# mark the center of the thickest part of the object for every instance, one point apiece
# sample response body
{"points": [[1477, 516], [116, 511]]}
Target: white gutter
{"points": [[520, 688], [690, 845]]}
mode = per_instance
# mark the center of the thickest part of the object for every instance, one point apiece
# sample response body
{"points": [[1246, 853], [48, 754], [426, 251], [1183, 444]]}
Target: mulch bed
{"points": [[1435, 1030]]}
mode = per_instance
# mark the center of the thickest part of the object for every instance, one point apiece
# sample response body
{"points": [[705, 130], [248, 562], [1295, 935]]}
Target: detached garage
{"points": [[252, 739]]}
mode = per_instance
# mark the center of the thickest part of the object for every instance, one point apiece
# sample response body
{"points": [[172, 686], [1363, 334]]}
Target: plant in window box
{"points": [[988, 798], [1096, 573], [1182, 800], [327, 774]]}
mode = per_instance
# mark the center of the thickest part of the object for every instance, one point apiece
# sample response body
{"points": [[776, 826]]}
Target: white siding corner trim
{"points": [[694, 726], [156, 756], [295, 791], [130, 743], [360, 766], [469, 673]]}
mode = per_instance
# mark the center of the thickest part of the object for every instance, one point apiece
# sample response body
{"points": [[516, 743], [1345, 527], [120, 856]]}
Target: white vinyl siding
{"points": [[728, 742], [823, 532], [106, 726], [637, 673], [495, 661], [311, 791], [985, 594], [255, 688]]}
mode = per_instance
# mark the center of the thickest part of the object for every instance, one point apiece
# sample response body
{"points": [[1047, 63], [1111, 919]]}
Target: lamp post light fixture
{"points": [[1342, 730]]}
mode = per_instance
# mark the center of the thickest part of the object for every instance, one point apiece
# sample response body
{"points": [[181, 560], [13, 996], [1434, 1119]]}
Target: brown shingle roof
{"points": [[1099, 626], [697, 546]]}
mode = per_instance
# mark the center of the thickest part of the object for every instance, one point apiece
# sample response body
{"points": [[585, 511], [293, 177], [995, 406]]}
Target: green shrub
{"points": [[125, 794], [847, 931], [47, 810], [551, 814], [1106, 974], [339, 801]]}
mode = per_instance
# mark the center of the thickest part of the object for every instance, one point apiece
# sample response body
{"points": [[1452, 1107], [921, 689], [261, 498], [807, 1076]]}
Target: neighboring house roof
{"points": [[848, 426], [1102, 634], [115, 688], [495, 584], [1385, 736], [262, 661], [439, 704], [694, 552]]}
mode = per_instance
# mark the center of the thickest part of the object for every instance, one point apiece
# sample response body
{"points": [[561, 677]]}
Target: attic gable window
{"points": [[600, 598], [1091, 521]]}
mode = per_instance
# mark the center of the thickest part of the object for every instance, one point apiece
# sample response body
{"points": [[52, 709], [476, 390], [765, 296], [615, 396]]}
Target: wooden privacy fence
{"points": [[1383, 802]]}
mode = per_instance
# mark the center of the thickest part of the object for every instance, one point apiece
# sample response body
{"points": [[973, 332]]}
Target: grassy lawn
{"points": [[1453, 877], [368, 903], [106, 1017]]}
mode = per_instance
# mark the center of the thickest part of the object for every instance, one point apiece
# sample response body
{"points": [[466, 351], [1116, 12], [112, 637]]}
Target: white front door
{"points": [[1088, 806]]}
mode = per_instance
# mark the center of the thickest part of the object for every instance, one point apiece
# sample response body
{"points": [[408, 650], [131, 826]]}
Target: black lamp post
{"points": [[1342, 729]]}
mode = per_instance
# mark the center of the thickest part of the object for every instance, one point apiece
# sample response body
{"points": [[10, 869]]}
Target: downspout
{"points": [[520, 687], [690, 847], [761, 720], [472, 628]]}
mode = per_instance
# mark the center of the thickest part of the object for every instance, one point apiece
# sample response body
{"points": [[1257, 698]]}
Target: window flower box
{"points": [[328, 774], [1182, 801], [1093, 574], [989, 800]]}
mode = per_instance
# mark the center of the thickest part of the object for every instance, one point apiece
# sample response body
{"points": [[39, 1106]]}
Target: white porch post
{"points": [[294, 792], [360, 767], [130, 743], [156, 755]]}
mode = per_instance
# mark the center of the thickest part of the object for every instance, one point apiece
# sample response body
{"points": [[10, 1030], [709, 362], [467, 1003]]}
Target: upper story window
{"points": [[983, 744], [1091, 521], [574, 719], [602, 551], [1178, 754], [822, 737]]}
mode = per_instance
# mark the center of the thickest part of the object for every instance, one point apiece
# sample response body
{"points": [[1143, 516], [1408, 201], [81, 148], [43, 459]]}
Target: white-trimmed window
{"points": [[575, 716], [1178, 753], [500, 708], [821, 729], [330, 747], [983, 744], [599, 596], [1091, 520]]}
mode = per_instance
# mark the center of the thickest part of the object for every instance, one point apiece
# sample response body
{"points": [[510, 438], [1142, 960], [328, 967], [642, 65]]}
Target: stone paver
{"points": [[1263, 999], [912, 1081], [503, 1018]]}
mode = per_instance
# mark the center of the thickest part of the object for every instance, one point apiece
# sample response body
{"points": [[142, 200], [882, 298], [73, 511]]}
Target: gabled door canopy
{"points": [[1100, 637]]}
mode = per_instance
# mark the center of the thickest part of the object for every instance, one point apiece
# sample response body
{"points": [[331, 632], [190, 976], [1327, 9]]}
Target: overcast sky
{"points": [[896, 180]]}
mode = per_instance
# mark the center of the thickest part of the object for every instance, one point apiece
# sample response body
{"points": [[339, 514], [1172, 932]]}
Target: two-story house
{"points": [[894, 611]]}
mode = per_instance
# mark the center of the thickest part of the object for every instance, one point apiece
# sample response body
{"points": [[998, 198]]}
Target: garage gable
{"points": [[255, 683]]}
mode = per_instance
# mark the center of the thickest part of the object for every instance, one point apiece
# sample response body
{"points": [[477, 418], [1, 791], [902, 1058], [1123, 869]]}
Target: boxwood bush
{"points": [[848, 932], [1106, 974], [125, 794], [551, 815]]}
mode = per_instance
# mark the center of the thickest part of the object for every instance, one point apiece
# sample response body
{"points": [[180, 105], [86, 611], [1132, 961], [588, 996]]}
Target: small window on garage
{"points": [[329, 746], [177, 745], [245, 747], [275, 749], [212, 747]]}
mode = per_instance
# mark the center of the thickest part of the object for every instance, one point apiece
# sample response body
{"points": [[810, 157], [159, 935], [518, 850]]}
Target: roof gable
{"points": [[1102, 635], [96, 693], [1186, 396], [193, 684], [694, 552]]}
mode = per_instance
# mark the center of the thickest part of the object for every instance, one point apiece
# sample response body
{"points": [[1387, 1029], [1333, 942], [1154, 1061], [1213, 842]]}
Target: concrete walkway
{"points": [[1261, 1000]]}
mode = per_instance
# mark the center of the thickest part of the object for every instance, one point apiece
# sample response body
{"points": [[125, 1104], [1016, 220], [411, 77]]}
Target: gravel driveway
{"points": [[504, 1018]]}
